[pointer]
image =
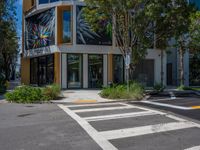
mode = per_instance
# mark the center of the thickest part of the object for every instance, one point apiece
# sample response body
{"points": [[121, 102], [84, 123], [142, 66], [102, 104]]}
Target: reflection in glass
{"points": [[118, 69], [74, 65], [42, 70], [50, 69], [34, 71], [95, 64], [67, 26]]}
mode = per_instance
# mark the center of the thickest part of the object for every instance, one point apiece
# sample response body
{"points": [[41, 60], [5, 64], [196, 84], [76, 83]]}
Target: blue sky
{"points": [[19, 17]]}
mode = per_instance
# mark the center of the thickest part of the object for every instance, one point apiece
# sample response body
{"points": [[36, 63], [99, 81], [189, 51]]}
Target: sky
{"points": [[19, 17]]}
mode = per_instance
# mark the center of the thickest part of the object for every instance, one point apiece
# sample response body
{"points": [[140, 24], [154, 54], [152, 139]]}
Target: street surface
{"points": [[95, 126]]}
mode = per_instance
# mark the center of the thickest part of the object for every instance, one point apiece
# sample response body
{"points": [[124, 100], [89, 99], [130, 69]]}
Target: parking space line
{"points": [[96, 104], [100, 140], [118, 116], [194, 148], [167, 105], [103, 109], [138, 131]]}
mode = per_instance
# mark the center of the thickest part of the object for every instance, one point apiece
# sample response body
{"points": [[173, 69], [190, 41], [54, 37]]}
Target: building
{"points": [[58, 46]]}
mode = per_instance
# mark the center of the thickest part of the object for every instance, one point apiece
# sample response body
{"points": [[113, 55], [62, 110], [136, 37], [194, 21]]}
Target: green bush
{"points": [[2, 84], [24, 94], [159, 87], [28, 94], [184, 88], [51, 92], [136, 92]]}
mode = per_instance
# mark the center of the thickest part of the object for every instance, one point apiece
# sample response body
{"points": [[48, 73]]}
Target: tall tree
{"points": [[129, 27], [8, 36], [182, 12]]}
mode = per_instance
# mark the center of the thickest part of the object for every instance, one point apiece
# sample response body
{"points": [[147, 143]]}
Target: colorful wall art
{"points": [[85, 35], [40, 30]]}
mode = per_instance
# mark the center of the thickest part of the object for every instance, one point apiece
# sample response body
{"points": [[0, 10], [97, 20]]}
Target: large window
{"points": [[47, 1], [95, 71], [118, 69], [42, 70], [34, 71], [67, 34], [74, 67]]}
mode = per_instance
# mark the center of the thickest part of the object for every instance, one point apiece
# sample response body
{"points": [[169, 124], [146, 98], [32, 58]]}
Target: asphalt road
{"points": [[108, 126], [41, 127], [185, 106]]}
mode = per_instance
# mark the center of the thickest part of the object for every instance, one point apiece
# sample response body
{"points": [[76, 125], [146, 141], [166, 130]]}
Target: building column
{"points": [[57, 68], [85, 70], [110, 68], [25, 71], [64, 71], [105, 70]]}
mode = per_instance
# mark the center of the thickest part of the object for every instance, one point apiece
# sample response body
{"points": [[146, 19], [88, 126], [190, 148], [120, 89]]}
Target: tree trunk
{"points": [[181, 69]]}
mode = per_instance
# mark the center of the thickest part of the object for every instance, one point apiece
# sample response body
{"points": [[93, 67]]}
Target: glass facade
{"points": [[95, 71], [42, 70], [49, 1], [74, 70], [118, 69], [67, 29]]}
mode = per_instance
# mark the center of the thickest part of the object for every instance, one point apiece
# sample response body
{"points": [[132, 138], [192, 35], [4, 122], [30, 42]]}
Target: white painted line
{"points": [[194, 148], [100, 140], [86, 105], [146, 109], [103, 109], [138, 131], [118, 116], [167, 105]]}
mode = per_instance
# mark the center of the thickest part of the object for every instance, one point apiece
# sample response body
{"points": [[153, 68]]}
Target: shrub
{"points": [[120, 92], [184, 88], [51, 92], [159, 87], [28, 94], [2, 84], [24, 94]]}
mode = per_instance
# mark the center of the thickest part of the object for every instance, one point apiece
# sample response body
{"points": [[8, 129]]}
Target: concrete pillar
{"points": [[85, 70]]}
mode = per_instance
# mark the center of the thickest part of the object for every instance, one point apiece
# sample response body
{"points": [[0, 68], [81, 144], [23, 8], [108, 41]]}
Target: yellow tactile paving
{"points": [[85, 101], [196, 107]]}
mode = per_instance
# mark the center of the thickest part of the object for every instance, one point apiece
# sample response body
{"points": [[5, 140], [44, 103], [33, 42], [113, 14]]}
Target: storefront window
{"points": [[50, 69], [118, 69], [42, 70], [74, 67], [34, 71], [95, 71], [43, 1], [67, 34]]}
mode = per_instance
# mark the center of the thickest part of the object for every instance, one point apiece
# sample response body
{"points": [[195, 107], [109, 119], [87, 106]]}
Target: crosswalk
{"points": [[108, 123]]}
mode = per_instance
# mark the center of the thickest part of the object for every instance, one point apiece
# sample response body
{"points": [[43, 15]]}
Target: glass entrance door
{"points": [[42, 70], [95, 71], [74, 67]]}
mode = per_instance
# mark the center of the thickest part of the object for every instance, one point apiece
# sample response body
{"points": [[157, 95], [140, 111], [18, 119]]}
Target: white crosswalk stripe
{"points": [[138, 131], [103, 138]]}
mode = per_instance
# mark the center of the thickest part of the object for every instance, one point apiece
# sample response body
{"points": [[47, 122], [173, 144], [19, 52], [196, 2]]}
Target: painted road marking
{"points": [[194, 148], [97, 104], [85, 101], [100, 140], [167, 105], [195, 107], [103, 109], [138, 131], [118, 116]]}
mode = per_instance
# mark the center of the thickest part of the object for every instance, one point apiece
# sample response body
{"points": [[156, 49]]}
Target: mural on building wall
{"points": [[85, 35], [40, 30]]}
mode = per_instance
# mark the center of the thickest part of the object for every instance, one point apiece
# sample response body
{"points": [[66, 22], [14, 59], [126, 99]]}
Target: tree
{"points": [[8, 36], [127, 24], [182, 11]]}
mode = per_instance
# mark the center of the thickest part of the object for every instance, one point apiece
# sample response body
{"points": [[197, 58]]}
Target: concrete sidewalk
{"points": [[81, 96]]}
